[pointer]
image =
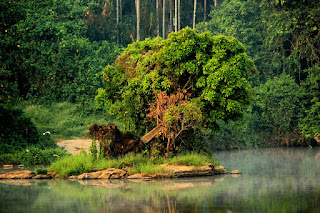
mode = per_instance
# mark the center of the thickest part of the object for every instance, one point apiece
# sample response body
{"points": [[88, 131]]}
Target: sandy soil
{"points": [[74, 146]]}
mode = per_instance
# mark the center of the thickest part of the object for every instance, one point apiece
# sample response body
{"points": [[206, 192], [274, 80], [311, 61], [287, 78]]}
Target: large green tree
{"points": [[191, 78]]}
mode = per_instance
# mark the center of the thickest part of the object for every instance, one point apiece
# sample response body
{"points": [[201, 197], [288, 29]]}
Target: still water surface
{"points": [[273, 180]]}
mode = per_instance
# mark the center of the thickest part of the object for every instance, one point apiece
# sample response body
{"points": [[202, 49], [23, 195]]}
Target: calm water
{"points": [[273, 180]]}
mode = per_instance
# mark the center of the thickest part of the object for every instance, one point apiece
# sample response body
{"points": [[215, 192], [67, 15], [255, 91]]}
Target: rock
{"points": [[53, 174], [219, 170], [73, 177], [235, 172], [7, 166], [135, 176], [92, 175], [189, 171], [42, 176], [114, 174], [18, 175], [96, 169], [105, 174]]}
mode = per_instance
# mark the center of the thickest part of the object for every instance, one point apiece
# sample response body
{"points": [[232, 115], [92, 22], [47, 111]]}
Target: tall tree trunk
{"points": [[157, 11], [204, 10], [215, 3], [164, 19], [120, 8], [178, 14], [175, 16], [194, 13], [171, 17], [117, 20], [138, 18]]}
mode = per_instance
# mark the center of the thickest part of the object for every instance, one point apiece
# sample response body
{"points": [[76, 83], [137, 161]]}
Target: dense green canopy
{"points": [[212, 71]]}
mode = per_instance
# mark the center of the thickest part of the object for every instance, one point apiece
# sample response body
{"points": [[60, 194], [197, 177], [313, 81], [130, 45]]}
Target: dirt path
{"points": [[74, 146]]}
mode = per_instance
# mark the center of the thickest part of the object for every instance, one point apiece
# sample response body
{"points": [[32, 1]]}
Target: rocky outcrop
{"points": [[191, 171], [105, 174], [42, 176], [169, 171], [18, 175]]}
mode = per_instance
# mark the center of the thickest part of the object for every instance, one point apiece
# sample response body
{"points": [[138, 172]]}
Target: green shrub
{"points": [[9, 158], [33, 156], [72, 165], [41, 171], [16, 130]]}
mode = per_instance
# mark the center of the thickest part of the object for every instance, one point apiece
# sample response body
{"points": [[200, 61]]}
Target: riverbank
{"points": [[169, 171], [131, 166]]}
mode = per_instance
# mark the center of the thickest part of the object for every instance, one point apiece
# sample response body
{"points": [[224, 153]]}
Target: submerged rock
{"points": [[219, 170], [18, 175], [235, 172]]}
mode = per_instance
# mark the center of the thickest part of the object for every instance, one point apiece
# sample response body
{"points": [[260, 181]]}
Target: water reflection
{"points": [[273, 180]]}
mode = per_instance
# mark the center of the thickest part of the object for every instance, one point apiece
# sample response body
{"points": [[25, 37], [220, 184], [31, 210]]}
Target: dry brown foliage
{"points": [[165, 104]]}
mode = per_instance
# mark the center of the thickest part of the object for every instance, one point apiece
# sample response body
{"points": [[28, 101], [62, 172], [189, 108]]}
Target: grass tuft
{"points": [[191, 159]]}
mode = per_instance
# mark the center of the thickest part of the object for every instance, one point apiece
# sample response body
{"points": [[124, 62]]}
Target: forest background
{"points": [[53, 54]]}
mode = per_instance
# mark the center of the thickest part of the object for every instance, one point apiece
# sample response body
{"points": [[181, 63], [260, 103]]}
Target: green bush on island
{"points": [[133, 163], [41, 171], [189, 80]]}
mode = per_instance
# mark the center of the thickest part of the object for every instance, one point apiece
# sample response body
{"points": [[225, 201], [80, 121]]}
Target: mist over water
{"points": [[273, 180]]}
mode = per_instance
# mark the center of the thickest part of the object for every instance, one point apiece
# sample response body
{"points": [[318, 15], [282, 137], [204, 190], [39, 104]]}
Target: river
{"points": [[273, 180]]}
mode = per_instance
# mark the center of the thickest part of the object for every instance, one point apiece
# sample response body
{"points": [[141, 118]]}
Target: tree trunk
{"points": [[168, 147], [117, 20], [178, 14], [194, 14], [175, 16], [157, 11], [204, 10], [215, 3], [138, 18], [171, 17], [120, 8], [164, 19]]}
